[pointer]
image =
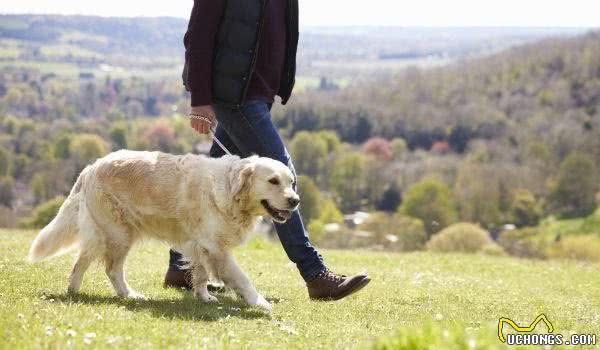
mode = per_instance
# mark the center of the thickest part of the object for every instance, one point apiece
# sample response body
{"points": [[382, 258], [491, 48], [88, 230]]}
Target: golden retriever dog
{"points": [[201, 206]]}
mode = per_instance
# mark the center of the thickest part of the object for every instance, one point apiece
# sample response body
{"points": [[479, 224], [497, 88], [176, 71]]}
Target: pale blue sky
{"points": [[580, 13]]}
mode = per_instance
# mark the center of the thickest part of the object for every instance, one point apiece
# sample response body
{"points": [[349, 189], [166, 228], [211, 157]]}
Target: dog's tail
{"points": [[61, 233]]}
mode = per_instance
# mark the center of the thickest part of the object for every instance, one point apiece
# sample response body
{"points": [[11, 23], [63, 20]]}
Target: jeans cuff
{"points": [[312, 272], [176, 260]]}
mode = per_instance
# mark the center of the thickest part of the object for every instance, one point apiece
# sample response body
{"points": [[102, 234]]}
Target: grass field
{"points": [[428, 301]]}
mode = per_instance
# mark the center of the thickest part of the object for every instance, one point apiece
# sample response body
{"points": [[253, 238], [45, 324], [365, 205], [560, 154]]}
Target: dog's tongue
{"points": [[283, 213]]}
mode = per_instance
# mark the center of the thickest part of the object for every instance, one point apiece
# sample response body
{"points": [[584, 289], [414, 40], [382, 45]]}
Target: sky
{"points": [[570, 13]]}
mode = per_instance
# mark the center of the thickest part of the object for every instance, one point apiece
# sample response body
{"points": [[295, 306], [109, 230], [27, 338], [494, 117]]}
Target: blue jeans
{"points": [[251, 131]]}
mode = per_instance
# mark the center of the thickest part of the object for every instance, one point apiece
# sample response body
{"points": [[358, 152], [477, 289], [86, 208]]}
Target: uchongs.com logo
{"points": [[525, 336]]}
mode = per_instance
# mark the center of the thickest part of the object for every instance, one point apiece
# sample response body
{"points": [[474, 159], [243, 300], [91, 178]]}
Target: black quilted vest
{"points": [[236, 48]]}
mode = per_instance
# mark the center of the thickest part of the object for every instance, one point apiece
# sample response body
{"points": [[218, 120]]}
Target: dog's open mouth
{"points": [[279, 215]]}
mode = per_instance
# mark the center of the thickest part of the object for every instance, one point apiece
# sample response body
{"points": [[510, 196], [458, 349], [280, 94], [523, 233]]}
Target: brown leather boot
{"points": [[182, 278], [330, 286]]}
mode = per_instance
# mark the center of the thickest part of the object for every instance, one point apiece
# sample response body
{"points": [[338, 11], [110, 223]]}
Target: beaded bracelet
{"points": [[199, 117]]}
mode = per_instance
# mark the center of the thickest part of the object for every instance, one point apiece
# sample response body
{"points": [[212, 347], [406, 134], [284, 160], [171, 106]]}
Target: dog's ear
{"points": [[241, 177]]}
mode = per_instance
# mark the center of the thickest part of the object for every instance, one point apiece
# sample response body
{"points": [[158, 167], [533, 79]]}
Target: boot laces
{"points": [[332, 276]]}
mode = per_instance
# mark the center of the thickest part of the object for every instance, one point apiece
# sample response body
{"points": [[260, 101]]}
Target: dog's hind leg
{"points": [[85, 258], [114, 260]]}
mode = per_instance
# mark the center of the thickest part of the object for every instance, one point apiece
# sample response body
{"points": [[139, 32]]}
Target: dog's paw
{"points": [[262, 303], [210, 299], [205, 297], [135, 296]]}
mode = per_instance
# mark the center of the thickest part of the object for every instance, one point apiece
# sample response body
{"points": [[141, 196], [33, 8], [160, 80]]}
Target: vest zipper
{"points": [[255, 53]]}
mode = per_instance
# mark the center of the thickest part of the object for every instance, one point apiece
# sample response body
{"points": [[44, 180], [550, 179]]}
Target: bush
{"points": [[395, 232], [525, 210], [460, 237], [493, 249], [578, 247], [524, 243], [329, 213], [430, 201], [43, 213]]}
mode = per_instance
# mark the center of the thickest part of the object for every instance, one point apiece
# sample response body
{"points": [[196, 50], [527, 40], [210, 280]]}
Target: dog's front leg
{"points": [[235, 278]]}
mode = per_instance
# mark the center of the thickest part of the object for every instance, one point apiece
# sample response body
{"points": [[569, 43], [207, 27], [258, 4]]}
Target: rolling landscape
{"points": [[453, 164]]}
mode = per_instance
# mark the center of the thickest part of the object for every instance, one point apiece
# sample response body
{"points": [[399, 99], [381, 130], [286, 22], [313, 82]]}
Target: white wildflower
{"points": [[88, 337]]}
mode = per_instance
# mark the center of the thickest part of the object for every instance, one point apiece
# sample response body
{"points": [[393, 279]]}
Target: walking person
{"points": [[239, 55]]}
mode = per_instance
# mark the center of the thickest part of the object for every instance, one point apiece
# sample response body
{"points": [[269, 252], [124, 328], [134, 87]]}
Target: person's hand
{"points": [[200, 125]]}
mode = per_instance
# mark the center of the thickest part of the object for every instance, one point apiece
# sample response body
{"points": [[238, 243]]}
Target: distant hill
{"points": [[547, 91], [132, 36], [72, 45]]}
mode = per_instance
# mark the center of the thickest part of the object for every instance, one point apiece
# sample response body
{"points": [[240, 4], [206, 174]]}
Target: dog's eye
{"points": [[274, 181]]}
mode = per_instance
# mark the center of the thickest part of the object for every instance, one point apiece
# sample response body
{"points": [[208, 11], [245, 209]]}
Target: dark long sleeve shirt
{"points": [[200, 41]]}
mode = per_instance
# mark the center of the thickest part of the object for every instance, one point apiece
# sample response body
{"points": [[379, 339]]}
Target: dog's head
{"points": [[267, 185]]}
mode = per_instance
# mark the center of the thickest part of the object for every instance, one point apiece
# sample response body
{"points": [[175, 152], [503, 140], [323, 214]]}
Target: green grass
{"points": [[588, 225], [445, 301]]}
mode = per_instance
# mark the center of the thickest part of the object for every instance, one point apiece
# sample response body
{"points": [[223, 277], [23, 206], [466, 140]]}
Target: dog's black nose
{"points": [[293, 201]]}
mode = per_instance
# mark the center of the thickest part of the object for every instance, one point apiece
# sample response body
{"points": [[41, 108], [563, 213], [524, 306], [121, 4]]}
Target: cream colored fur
{"points": [[202, 206]]}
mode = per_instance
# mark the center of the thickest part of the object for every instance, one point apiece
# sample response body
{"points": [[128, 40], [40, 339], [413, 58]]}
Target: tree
{"points": [[331, 139], [572, 194], [390, 200], [309, 153], [7, 194], [429, 200], [477, 192], [378, 147], [459, 138], [399, 147], [87, 148], [39, 187], [118, 136], [62, 146], [348, 181], [4, 161], [310, 198], [160, 137]]}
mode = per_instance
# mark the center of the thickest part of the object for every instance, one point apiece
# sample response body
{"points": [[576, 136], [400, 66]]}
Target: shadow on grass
{"points": [[185, 308]]}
